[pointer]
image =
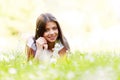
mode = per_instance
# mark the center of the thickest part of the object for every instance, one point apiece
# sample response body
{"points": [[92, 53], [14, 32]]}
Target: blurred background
{"points": [[89, 25]]}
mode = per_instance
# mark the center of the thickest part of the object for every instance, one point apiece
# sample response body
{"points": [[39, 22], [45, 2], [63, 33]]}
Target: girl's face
{"points": [[51, 32]]}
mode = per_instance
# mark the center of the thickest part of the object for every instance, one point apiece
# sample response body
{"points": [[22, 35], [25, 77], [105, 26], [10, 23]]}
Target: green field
{"points": [[77, 66]]}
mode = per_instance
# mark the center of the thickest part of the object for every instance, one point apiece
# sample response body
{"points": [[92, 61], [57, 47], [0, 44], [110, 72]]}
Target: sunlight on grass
{"points": [[76, 66]]}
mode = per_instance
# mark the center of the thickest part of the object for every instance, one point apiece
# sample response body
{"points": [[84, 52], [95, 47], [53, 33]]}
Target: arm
{"points": [[38, 54], [29, 48], [62, 52], [41, 45], [30, 53]]}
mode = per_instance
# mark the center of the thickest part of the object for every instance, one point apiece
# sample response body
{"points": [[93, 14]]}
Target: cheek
{"points": [[45, 34], [57, 32]]}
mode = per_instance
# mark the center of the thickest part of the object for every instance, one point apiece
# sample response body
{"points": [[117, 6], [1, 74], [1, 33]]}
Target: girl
{"points": [[48, 41]]}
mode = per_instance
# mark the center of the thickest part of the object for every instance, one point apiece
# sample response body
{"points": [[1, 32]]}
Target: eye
{"points": [[46, 30], [55, 28]]}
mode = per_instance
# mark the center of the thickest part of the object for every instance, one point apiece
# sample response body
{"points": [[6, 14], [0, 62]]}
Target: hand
{"points": [[41, 43]]}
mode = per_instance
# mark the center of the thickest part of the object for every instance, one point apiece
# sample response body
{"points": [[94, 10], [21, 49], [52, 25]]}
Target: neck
{"points": [[51, 46]]}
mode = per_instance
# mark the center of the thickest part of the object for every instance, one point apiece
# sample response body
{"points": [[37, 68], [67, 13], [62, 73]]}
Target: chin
{"points": [[51, 41]]}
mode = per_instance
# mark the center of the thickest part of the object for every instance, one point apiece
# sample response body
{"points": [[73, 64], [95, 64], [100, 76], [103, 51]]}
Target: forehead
{"points": [[51, 24]]}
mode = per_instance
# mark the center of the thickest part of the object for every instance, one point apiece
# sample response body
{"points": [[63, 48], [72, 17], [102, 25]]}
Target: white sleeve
{"points": [[30, 42]]}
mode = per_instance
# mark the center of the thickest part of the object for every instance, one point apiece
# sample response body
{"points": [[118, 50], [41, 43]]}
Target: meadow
{"points": [[77, 66]]}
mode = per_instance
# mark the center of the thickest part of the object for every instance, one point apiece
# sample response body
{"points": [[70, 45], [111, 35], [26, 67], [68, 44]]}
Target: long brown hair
{"points": [[40, 28]]}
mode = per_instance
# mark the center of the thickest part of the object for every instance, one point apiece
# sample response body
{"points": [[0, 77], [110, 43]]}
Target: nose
{"points": [[51, 32]]}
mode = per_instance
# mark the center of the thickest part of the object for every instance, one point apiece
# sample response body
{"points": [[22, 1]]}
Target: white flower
{"points": [[90, 58], [31, 76], [12, 71], [12, 57], [30, 63], [42, 67], [53, 60], [70, 75]]}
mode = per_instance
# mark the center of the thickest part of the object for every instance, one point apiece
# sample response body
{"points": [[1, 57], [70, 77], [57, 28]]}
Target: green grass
{"points": [[77, 66]]}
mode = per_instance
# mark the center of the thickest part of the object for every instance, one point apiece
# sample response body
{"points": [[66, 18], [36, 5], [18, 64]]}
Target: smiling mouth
{"points": [[51, 38]]}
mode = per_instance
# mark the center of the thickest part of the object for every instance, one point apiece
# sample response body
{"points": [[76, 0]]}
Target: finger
{"points": [[42, 39], [45, 46]]}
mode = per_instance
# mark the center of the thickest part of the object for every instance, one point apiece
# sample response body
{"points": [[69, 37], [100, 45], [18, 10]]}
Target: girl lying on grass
{"points": [[48, 42]]}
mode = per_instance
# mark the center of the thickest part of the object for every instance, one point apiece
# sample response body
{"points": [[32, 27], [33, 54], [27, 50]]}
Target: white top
{"points": [[46, 55]]}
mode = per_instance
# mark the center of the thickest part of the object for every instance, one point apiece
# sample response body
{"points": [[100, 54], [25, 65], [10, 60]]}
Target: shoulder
{"points": [[30, 41]]}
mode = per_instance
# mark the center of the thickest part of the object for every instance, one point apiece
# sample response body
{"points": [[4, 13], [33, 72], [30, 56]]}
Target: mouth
{"points": [[52, 38]]}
